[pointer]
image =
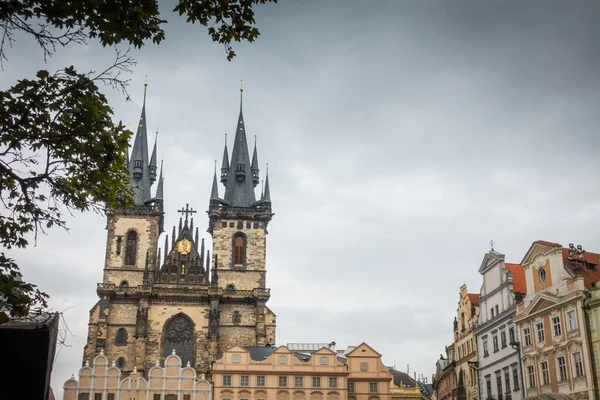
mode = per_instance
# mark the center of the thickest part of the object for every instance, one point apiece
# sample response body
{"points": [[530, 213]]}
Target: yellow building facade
{"points": [[403, 387], [263, 373]]}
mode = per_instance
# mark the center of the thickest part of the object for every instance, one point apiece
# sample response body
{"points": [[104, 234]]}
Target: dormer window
{"points": [[137, 164]]}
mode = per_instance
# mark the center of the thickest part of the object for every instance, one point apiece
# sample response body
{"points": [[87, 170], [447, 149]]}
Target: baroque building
{"points": [[465, 349], [153, 301], [551, 321], [498, 359], [444, 380]]}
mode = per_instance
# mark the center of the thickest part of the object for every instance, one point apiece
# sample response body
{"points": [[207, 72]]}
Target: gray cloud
{"points": [[401, 138]]}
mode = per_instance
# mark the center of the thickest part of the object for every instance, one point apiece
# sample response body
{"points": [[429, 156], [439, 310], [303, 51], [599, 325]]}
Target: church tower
{"points": [[238, 226], [155, 301]]}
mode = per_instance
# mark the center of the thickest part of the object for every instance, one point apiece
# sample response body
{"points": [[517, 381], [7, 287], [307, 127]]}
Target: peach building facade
{"points": [[465, 348], [102, 381], [264, 373], [551, 323]]}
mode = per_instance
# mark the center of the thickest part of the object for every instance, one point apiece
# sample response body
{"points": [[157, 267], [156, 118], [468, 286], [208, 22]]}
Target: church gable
{"points": [[363, 350], [538, 247], [542, 302], [489, 260]]}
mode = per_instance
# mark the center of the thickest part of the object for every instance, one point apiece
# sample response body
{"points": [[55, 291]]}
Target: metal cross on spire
{"points": [[187, 211], [492, 244]]}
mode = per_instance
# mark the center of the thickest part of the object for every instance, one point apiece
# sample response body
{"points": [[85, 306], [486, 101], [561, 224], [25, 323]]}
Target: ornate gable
{"points": [[542, 301], [538, 247], [489, 260]]}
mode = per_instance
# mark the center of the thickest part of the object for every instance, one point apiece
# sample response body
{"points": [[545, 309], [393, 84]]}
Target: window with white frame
{"points": [[499, 386], [316, 382], [488, 387], [506, 381], [226, 380], [527, 337], [562, 368], [556, 328], [545, 373], [539, 327], [324, 360], [350, 387], [298, 381], [495, 342], [578, 364], [332, 382], [364, 366], [372, 387], [531, 376], [503, 339], [485, 348], [515, 374], [282, 359], [282, 381], [244, 380], [235, 358], [571, 320], [260, 381]]}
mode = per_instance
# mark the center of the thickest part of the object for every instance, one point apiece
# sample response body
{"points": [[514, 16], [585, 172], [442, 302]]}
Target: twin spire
{"points": [[241, 175], [143, 171]]}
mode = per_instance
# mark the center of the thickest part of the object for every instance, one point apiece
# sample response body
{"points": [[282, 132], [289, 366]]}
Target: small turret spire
{"points": [[139, 164], [196, 241], [173, 238], [159, 188], [267, 193], [166, 247], [181, 225], [214, 193], [152, 166], [254, 167], [225, 164]]}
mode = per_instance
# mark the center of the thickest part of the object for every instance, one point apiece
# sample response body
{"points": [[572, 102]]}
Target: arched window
{"points": [[230, 287], [239, 250], [124, 285], [131, 248], [120, 362], [121, 338]]}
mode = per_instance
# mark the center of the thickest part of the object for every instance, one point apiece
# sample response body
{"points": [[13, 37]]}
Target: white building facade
{"points": [[499, 365]]}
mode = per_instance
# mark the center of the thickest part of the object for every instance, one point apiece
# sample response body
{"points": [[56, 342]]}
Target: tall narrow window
{"points": [[131, 249], [531, 376], [578, 364], [121, 338], [545, 373], [239, 250]]}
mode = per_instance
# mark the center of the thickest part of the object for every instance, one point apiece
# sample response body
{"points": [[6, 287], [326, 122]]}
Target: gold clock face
{"points": [[184, 246]]}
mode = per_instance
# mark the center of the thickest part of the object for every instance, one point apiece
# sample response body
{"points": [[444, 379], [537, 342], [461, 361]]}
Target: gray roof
{"points": [[214, 193], [307, 346], [141, 186], [402, 379], [239, 192], [266, 196], [159, 188]]}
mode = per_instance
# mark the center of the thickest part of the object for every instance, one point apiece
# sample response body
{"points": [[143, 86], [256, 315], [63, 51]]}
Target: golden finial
{"points": [[146, 80], [241, 85]]}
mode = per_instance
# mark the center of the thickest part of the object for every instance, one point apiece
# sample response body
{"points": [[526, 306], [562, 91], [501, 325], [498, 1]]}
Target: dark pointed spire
{"points": [[239, 189], [159, 188], [201, 246], [152, 166], [207, 267], [266, 197], [214, 193], [225, 164], [196, 240], [181, 225], [158, 260], [166, 247], [191, 225], [173, 238], [254, 168], [138, 164]]}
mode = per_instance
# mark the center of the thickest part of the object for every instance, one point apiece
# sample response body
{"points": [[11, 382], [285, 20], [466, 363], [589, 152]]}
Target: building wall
{"points": [[102, 381], [497, 362], [593, 313], [558, 295], [465, 349]]}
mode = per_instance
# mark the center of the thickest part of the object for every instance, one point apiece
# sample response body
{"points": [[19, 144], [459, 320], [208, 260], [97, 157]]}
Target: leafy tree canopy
{"points": [[59, 147]]}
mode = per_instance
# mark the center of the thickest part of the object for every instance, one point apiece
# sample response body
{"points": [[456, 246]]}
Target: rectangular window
{"points": [[562, 368], [156, 396], [545, 373], [556, 326], [171, 397], [260, 381], [316, 382], [507, 381], [244, 380], [283, 381], [226, 380], [282, 359], [578, 364], [97, 396], [110, 396], [364, 366], [515, 372], [527, 337], [298, 381], [350, 387], [187, 397], [572, 320], [503, 339], [485, 348], [372, 387], [235, 358], [332, 382], [488, 387], [541, 338], [511, 334], [499, 386], [531, 376], [495, 342], [324, 360]]}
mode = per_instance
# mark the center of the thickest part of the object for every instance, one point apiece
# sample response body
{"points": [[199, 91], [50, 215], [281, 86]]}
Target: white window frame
{"points": [[556, 327], [563, 374], [545, 372], [531, 376], [578, 365], [540, 335], [527, 336], [226, 380], [571, 320]]}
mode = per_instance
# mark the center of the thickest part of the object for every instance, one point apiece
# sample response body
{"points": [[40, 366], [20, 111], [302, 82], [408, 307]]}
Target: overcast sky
{"points": [[402, 136]]}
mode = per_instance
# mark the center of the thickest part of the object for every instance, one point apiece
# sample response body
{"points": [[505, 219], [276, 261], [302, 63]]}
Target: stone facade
{"points": [[101, 381], [499, 364], [551, 323], [465, 348]]}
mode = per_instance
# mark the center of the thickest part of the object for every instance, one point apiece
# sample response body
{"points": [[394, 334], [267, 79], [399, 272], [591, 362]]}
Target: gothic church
{"points": [[155, 300]]}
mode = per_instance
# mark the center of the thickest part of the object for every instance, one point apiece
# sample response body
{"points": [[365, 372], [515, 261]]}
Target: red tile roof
{"points": [[474, 298], [518, 275], [590, 268]]}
